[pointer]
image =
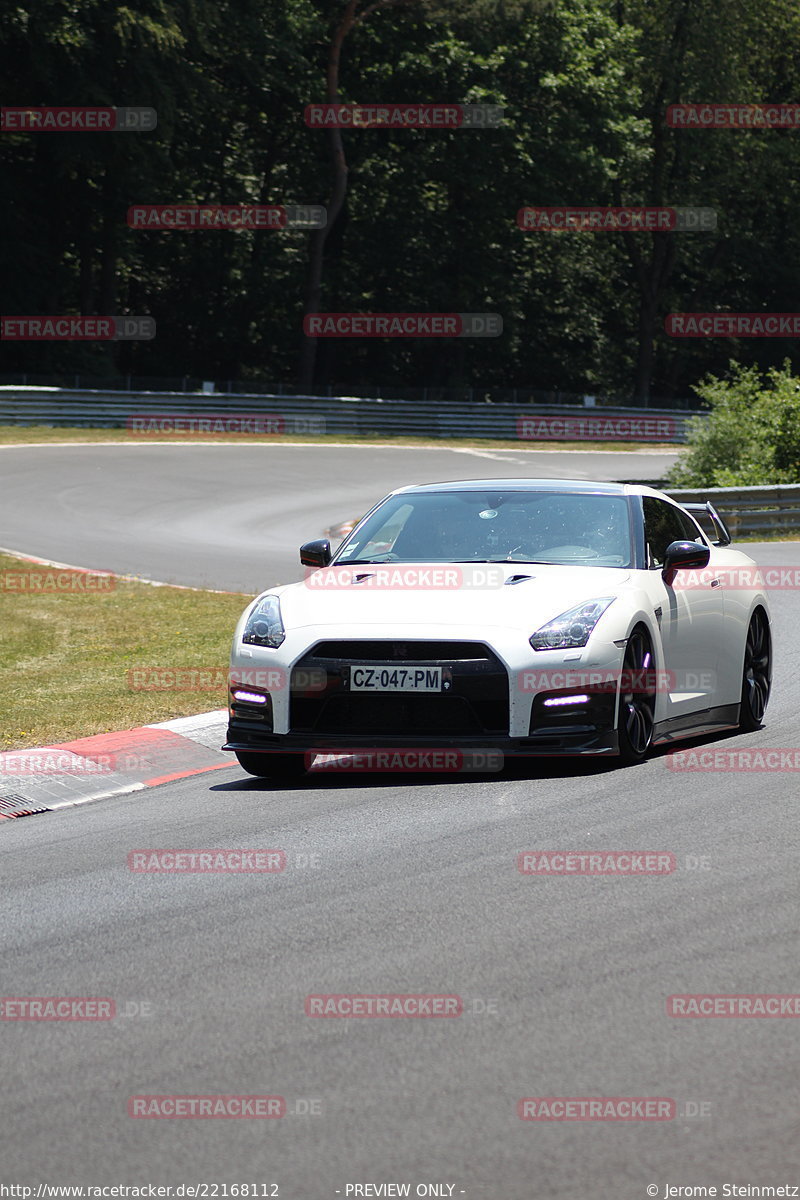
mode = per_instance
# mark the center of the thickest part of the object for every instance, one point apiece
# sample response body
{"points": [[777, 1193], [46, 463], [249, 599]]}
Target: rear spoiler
{"points": [[723, 537]]}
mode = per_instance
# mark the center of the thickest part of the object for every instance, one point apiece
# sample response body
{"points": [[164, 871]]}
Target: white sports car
{"points": [[529, 617]]}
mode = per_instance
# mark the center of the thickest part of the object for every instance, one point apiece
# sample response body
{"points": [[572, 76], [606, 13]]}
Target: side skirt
{"points": [[705, 720]]}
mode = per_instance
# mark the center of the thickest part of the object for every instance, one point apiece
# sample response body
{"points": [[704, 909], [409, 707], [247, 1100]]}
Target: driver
{"points": [[595, 527], [586, 524]]}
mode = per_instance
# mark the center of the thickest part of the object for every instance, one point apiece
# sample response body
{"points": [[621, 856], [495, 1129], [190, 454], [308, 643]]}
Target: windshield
{"points": [[491, 526]]}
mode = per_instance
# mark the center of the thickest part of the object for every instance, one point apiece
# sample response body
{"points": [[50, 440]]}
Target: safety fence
{"points": [[344, 415], [751, 510]]}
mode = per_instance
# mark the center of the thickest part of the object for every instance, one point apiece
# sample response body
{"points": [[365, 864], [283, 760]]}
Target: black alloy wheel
{"points": [[637, 700], [756, 672]]}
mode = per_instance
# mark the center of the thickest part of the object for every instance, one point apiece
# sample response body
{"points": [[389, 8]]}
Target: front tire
{"points": [[637, 699], [756, 672], [277, 766]]}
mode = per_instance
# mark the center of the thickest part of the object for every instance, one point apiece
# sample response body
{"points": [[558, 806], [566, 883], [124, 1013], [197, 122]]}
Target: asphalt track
{"points": [[231, 516], [403, 885]]}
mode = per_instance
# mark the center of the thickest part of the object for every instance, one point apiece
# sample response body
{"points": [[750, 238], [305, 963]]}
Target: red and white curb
{"points": [[59, 566], [48, 778]]}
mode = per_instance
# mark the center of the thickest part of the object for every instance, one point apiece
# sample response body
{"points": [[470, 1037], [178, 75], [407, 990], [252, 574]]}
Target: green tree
{"points": [[750, 437]]}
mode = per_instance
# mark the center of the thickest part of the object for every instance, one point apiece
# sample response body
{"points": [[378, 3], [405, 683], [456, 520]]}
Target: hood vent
{"points": [[371, 575]]}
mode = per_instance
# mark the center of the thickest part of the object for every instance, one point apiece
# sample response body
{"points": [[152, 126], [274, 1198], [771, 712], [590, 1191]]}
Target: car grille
{"points": [[475, 704], [402, 651]]}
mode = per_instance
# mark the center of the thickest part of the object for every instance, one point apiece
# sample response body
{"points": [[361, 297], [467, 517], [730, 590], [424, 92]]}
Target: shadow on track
{"points": [[532, 768]]}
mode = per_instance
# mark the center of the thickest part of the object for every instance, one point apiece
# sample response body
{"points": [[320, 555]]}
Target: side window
{"points": [[663, 524], [386, 534]]}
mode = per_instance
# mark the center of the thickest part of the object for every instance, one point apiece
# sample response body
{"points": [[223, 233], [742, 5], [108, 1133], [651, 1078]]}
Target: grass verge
{"points": [[20, 435], [768, 535], [67, 656]]}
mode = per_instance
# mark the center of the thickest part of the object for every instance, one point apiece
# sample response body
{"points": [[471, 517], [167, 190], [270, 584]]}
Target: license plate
{"points": [[395, 679]]}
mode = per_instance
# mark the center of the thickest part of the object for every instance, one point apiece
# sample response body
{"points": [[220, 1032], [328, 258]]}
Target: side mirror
{"points": [[316, 554], [682, 556]]}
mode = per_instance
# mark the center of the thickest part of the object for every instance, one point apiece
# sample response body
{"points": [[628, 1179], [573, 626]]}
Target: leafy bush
{"points": [[751, 437]]}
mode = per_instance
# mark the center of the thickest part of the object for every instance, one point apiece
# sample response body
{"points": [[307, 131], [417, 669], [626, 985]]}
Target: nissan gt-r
{"points": [[518, 616]]}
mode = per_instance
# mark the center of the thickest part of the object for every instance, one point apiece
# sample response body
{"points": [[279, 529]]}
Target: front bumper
{"points": [[494, 698], [563, 745]]}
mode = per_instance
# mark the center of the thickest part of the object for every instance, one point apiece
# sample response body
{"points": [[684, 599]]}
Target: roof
{"points": [[574, 486]]}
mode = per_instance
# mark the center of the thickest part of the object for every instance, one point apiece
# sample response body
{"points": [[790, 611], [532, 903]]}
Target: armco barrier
{"points": [[346, 415], [750, 510]]}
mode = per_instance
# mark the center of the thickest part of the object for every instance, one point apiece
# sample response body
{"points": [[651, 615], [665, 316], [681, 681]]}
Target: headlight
{"points": [[572, 628], [264, 625]]}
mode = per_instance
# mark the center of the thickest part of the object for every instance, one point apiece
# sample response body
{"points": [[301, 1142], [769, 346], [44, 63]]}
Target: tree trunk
{"points": [[108, 247], [308, 354], [652, 276]]}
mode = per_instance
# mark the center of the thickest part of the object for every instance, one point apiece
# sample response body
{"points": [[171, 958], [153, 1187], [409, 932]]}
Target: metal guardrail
{"points": [[750, 510], [347, 414]]}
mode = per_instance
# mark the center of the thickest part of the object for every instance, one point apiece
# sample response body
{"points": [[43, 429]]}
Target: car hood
{"points": [[517, 595]]}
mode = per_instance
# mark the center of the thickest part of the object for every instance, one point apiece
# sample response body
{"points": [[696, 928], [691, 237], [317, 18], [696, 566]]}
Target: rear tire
{"points": [[637, 700], [272, 765], [756, 672]]}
